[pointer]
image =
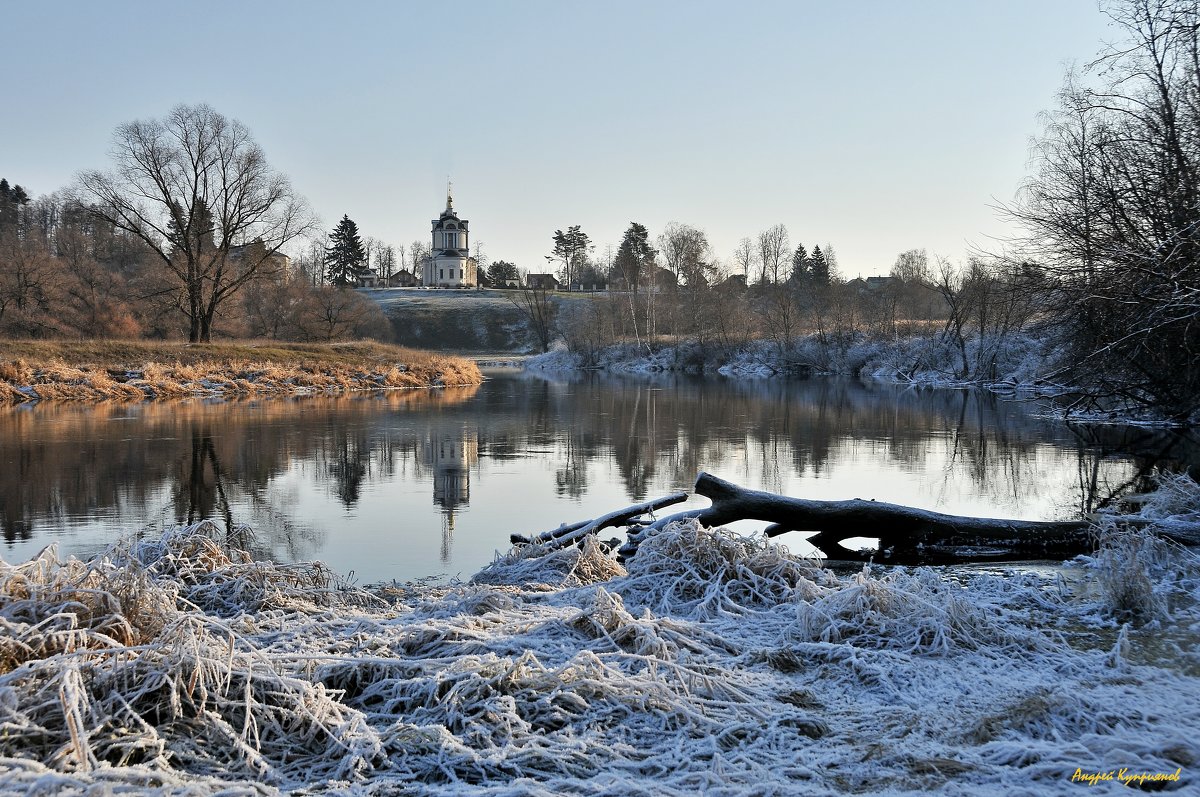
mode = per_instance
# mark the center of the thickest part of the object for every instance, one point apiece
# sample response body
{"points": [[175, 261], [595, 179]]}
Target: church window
{"points": [[441, 273]]}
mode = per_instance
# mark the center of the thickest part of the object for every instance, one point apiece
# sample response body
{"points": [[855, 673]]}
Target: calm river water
{"points": [[408, 484]]}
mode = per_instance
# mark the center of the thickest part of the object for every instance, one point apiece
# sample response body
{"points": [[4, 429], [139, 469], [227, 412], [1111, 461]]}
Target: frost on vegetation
{"points": [[916, 612], [713, 663], [1136, 575], [1012, 360], [538, 565], [1176, 497], [693, 571]]}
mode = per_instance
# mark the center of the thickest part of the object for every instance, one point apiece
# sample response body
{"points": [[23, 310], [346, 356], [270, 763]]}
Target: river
{"points": [[404, 485]]}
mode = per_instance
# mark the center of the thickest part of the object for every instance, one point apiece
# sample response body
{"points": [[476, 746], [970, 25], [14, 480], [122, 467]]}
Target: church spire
{"points": [[449, 196]]}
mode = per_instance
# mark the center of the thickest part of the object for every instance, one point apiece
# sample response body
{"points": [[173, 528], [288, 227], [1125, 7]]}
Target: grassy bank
{"points": [[135, 370]]}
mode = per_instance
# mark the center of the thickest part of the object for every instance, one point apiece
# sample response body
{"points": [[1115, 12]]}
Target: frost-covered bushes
{"points": [[692, 571], [1137, 575], [914, 612], [1012, 359], [543, 565]]}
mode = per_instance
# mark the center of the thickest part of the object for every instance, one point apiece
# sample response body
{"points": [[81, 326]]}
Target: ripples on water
{"points": [[405, 484]]}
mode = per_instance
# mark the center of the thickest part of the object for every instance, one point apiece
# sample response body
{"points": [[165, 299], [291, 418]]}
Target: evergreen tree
{"points": [[570, 249], [801, 266], [635, 256], [500, 272], [819, 267], [344, 254], [12, 198], [194, 232]]}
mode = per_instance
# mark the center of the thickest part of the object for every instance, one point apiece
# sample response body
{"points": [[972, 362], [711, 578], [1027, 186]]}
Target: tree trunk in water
{"points": [[907, 535]]}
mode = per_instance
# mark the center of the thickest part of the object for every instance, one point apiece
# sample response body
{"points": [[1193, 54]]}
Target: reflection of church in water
{"points": [[450, 454]]}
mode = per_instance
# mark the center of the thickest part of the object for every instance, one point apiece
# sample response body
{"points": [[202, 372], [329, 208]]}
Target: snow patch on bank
{"points": [[1012, 361], [713, 663]]}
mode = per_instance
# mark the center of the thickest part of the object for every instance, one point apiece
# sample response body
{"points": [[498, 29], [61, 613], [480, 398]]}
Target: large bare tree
{"points": [[773, 251], [197, 189], [1113, 212]]}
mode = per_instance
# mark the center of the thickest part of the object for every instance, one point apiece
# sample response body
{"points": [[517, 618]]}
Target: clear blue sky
{"points": [[876, 126]]}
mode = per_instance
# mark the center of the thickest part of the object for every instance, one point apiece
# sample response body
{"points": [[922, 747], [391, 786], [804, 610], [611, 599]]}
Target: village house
{"points": [[402, 278], [542, 282]]}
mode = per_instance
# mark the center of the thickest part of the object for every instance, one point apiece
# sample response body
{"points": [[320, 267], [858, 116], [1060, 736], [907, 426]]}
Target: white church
{"points": [[449, 264]]}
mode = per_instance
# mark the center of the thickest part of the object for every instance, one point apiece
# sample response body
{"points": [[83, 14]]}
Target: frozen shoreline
{"points": [[715, 663], [1016, 360], [1015, 364]]}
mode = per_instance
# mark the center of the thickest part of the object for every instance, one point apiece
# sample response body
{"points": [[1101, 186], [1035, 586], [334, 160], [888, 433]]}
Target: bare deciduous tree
{"points": [[744, 258], [773, 252], [1113, 212], [194, 186], [539, 310]]}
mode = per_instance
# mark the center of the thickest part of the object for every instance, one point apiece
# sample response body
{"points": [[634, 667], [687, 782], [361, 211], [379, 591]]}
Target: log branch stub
{"points": [[571, 533]]}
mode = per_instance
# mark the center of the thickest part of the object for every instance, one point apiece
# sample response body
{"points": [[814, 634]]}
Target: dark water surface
{"points": [[407, 484]]}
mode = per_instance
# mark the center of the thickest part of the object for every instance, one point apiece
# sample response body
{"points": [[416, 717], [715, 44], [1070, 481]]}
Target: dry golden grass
{"points": [[136, 370]]}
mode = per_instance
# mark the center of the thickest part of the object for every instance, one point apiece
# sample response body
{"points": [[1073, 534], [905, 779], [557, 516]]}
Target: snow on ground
{"points": [[1012, 361], [713, 663]]}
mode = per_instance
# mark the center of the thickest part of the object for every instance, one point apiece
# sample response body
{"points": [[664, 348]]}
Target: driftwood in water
{"points": [[570, 533], [906, 535]]}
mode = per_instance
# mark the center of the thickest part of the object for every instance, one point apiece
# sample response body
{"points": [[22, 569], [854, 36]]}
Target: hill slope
{"points": [[459, 320]]}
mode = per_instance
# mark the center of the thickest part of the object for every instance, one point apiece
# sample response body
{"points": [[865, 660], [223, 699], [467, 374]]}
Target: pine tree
{"points": [[197, 233], [11, 200], [801, 266], [570, 249], [635, 256], [819, 267], [345, 253]]}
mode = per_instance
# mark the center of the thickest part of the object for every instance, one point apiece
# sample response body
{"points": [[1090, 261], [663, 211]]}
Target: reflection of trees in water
{"points": [[217, 460], [755, 430], [1176, 452], [199, 490], [348, 460], [226, 460]]}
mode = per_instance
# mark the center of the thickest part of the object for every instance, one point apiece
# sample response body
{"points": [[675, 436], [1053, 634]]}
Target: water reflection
{"points": [[409, 483]]}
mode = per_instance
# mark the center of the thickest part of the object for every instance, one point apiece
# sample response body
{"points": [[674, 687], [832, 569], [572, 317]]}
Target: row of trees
{"points": [[182, 237], [191, 217], [65, 271], [685, 254], [1108, 267]]}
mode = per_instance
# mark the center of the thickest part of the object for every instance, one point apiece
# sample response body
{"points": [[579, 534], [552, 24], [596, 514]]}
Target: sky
{"points": [[871, 126]]}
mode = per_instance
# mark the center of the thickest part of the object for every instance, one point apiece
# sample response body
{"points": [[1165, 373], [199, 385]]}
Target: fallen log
{"points": [[906, 535]]}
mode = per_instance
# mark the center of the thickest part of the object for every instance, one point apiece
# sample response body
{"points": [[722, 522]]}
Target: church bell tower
{"points": [[450, 264]]}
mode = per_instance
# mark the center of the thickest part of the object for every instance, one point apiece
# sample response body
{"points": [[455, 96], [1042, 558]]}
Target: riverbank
{"points": [[1012, 364], [921, 359], [710, 663], [140, 370]]}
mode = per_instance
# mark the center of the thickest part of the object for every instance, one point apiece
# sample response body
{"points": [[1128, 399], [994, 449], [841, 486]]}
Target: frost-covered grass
{"points": [[138, 370], [713, 663]]}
